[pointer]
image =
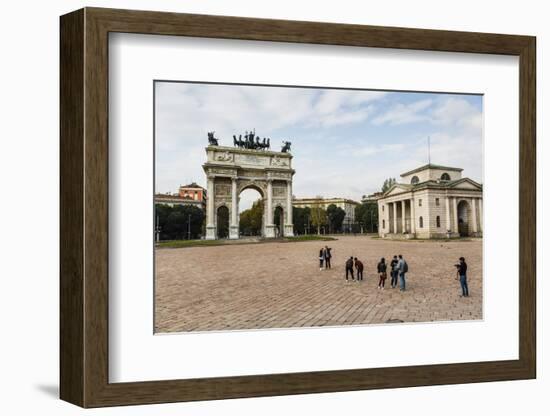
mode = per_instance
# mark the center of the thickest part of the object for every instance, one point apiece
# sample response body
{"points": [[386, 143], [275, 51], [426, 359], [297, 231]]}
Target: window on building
{"points": [[384, 224], [437, 201], [438, 221], [414, 180], [445, 177], [383, 206], [419, 202], [420, 222]]}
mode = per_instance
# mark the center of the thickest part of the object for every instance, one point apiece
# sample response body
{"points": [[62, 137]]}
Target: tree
{"points": [[366, 215], [388, 183], [179, 222], [335, 217], [302, 219], [250, 220], [318, 217]]}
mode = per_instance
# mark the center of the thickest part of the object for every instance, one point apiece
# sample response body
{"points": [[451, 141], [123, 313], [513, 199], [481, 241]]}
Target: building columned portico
{"points": [[432, 202], [230, 171]]}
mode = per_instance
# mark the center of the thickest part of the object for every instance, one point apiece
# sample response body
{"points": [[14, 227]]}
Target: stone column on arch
{"points": [[234, 226], [210, 215], [269, 231], [289, 226]]}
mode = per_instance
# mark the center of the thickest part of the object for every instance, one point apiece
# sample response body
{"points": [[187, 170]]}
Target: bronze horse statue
{"points": [[212, 141], [251, 141], [286, 147]]}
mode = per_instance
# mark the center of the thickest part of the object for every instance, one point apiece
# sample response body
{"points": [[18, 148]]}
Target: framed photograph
{"points": [[254, 207]]}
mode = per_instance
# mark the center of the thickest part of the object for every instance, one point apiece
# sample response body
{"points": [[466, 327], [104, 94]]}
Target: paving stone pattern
{"points": [[279, 285]]}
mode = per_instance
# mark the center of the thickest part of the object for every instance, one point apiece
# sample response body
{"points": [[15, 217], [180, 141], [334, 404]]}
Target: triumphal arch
{"points": [[231, 170]]}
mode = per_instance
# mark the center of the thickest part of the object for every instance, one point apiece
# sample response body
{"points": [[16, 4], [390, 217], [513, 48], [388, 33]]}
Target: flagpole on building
{"points": [[429, 155]]}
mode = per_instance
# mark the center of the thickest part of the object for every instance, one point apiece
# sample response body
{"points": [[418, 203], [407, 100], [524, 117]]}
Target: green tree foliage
{"points": [[335, 218], [250, 221], [302, 220], [179, 222], [388, 183], [366, 215], [318, 217]]}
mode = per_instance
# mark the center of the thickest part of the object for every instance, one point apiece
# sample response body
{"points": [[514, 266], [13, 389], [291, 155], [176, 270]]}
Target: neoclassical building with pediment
{"points": [[432, 201]]}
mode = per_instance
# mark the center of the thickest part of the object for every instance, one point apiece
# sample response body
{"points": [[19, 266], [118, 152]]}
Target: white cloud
{"points": [[404, 113], [327, 162]]}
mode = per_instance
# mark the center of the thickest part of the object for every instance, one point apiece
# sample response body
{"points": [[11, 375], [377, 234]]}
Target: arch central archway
{"points": [[251, 212], [230, 171]]}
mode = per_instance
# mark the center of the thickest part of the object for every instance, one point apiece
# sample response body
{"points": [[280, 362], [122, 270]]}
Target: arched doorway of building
{"points": [[278, 220], [222, 222], [251, 212], [464, 213]]}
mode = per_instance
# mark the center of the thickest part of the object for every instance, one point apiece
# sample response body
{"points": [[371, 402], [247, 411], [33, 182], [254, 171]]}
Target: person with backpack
{"points": [[382, 267], [349, 268], [403, 268], [394, 272]]}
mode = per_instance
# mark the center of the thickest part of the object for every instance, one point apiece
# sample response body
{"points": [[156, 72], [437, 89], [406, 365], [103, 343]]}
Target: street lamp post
{"points": [[189, 226], [157, 231]]}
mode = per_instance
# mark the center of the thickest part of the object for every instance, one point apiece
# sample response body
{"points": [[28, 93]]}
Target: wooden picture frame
{"points": [[84, 207]]}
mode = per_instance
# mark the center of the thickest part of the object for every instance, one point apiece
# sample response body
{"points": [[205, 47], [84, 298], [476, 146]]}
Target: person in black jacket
{"points": [[461, 269], [349, 268], [328, 256], [321, 258], [382, 272], [359, 266], [394, 272]]}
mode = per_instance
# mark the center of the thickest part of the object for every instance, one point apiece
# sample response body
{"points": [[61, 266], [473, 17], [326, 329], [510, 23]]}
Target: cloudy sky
{"points": [[344, 142]]}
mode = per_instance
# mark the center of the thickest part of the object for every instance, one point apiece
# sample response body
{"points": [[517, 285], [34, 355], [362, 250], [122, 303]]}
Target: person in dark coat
{"points": [[328, 256], [321, 258], [462, 267], [359, 266], [394, 272], [349, 268], [381, 268]]}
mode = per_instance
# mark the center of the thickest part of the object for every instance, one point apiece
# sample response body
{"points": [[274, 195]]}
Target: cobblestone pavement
{"points": [[279, 285]]}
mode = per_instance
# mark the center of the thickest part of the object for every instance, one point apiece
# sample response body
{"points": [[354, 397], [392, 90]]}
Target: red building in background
{"points": [[193, 191], [191, 194]]}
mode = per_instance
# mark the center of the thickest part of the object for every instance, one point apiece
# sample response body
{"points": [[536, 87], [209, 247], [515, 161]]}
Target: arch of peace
{"points": [[230, 170]]}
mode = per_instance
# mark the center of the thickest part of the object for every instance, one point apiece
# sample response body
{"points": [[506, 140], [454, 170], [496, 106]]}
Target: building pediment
{"points": [[465, 183], [397, 189]]}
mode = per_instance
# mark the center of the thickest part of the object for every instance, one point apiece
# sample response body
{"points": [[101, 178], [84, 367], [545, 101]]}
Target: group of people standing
{"points": [[350, 263], [324, 257], [397, 269]]}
